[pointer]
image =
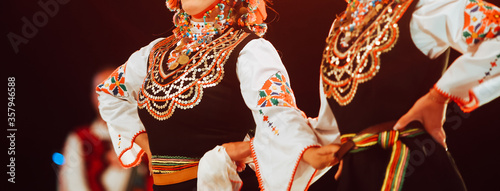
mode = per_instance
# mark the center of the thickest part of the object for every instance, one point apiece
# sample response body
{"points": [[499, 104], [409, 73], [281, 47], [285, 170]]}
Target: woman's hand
{"points": [[240, 153], [142, 141], [430, 111], [321, 157]]}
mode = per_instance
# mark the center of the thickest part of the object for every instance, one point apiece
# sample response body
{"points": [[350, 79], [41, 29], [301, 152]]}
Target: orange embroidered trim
{"points": [[342, 72], [240, 182], [138, 158], [312, 177], [461, 102], [473, 99], [257, 168], [297, 165]]}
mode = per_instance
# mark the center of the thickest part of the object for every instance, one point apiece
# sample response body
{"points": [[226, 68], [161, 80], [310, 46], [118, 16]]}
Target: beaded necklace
{"points": [[195, 35], [357, 15], [165, 90]]}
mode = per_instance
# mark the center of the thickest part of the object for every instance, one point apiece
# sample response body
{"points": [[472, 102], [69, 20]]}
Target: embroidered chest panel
{"points": [[351, 56], [164, 90]]}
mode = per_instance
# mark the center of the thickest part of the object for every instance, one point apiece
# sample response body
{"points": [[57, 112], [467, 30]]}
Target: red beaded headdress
{"points": [[254, 16]]}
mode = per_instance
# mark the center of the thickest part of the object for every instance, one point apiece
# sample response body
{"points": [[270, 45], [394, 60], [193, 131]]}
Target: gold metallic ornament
{"points": [[173, 65], [183, 59]]}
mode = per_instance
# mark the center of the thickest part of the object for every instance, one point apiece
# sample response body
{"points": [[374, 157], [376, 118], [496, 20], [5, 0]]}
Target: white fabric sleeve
{"points": [[437, 25], [224, 178], [118, 105], [282, 132], [72, 175], [325, 125]]}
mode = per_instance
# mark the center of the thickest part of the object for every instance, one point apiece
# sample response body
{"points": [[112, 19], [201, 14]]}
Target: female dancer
{"points": [[210, 83], [382, 56]]}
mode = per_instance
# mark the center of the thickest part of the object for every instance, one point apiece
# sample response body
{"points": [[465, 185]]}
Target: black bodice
{"points": [[194, 127], [405, 75]]}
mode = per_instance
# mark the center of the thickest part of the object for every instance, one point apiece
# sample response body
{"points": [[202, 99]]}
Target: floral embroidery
{"points": [[115, 84], [265, 118], [488, 73], [482, 21], [276, 92]]}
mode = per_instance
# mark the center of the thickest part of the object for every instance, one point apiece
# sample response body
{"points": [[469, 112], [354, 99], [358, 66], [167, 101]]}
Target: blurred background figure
{"points": [[90, 163]]}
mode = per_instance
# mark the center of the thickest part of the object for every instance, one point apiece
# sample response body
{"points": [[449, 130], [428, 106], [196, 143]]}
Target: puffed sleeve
{"points": [[282, 134], [471, 27], [118, 105]]}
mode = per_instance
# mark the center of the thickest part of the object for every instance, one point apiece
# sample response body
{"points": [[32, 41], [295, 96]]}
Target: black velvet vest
{"points": [[191, 109], [402, 75]]}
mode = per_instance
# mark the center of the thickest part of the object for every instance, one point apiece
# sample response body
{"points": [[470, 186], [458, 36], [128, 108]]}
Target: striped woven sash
{"points": [[395, 171], [170, 164]]}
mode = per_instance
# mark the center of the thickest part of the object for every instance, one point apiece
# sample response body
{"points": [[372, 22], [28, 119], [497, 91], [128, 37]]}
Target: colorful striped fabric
{"points": [[169, 164], [395, 172]]}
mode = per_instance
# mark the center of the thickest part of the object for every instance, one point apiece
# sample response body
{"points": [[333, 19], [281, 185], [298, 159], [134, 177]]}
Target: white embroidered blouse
{"points": [[473, 79], [282, 132]]}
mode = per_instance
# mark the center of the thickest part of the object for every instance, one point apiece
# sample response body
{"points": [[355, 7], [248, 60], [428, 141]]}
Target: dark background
{"points": [[53, 71]]}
